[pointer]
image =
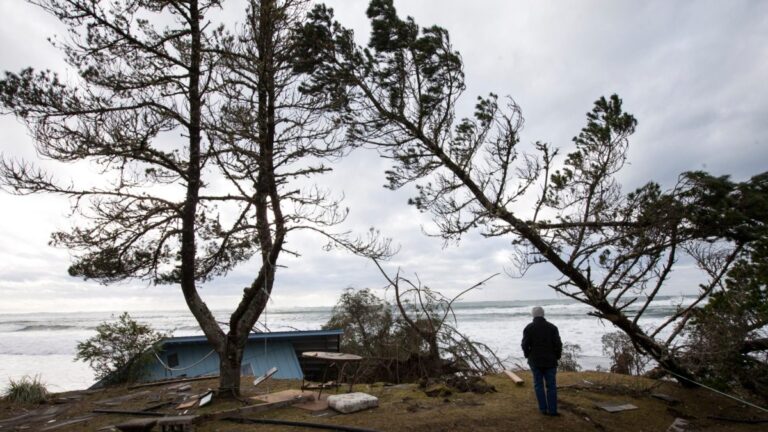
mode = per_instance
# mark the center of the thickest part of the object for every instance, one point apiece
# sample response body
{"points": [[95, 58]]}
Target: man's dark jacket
{"points": [[541, 343]]}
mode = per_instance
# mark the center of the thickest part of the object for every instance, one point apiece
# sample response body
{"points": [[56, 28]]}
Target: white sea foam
{"points": [[45, 344]]}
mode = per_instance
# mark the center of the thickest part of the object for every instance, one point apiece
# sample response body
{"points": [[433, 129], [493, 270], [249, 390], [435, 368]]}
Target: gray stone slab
{"points": [[352, 402], [613, 407]]}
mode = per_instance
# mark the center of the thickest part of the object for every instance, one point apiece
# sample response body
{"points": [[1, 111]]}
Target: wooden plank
{"points": [[174, 381], [255, 409], [187, 404], [280, 396], [514, 377], [265, 377]]}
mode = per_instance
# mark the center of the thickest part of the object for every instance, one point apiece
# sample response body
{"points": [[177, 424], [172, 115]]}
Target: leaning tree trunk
{"points": [[604, 309], [230, 361]]}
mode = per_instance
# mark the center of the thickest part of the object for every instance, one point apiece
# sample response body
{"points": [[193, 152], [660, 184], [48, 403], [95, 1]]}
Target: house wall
{"points": [[258, 355]]}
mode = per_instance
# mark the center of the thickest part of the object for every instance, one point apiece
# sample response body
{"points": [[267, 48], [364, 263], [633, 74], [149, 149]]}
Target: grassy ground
{"points": [[406, 408]]}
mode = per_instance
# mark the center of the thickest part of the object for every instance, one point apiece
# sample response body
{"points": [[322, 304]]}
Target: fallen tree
{"points": [[415, 339], [614, 250]]}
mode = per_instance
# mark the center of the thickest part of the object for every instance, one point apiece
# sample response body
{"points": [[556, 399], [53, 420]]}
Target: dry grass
{"points": [[26, 390], [405, 408]]}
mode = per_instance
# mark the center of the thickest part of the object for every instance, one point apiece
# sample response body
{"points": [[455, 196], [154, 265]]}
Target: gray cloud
{"points": [[691, 72]]}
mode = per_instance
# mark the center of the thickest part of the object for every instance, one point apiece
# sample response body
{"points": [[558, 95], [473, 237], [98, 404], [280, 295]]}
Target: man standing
{"points": [[542, 347]]}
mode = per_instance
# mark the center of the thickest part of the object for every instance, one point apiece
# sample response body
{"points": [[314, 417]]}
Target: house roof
{"points": [[271, 336]]}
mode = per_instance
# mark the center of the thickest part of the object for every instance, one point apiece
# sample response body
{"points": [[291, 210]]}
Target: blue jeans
{"points": [[545, 386]]}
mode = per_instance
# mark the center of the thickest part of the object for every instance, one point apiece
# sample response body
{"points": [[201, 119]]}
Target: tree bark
{"points": [[230, 361]]}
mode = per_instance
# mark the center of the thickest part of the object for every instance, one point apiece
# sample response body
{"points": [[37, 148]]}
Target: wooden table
{"points": [[341, 360]]}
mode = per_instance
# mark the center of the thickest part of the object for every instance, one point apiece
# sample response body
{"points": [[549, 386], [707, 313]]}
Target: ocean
{"points": [[43, 344]]}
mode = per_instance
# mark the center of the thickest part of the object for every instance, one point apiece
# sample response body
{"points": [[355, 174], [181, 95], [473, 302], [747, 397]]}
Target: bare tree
{"points": [[180, 211], [615, 251], [428, 314]]}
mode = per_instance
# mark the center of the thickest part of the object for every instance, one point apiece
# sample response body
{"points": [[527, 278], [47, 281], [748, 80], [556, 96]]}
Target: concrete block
{"points": [[352, 402]]}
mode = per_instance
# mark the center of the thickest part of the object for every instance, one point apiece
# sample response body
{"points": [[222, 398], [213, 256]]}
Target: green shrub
{"points": [[26, 390], [120, 351]]}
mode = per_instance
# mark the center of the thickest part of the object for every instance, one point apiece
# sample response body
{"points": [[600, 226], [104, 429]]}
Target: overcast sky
{"points": [[692, 73]]}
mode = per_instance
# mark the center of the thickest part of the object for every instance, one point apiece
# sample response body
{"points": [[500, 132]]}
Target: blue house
{"points": [[193, 356]]}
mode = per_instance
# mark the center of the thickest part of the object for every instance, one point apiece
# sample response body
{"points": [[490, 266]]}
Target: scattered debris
{"points": [[514, 377], [182, 388], [666, 398], [679, 425], [254, 409], [190, 401], [120, 399], [352, 402], [267, 375], [614, 408], [206, 399], [188, 404]]}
